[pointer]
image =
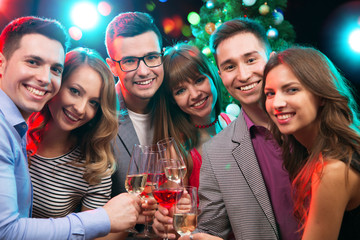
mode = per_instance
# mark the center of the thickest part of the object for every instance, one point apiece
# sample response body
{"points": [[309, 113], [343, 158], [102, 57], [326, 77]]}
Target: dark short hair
{"points": [[130, 24], [235, 26], [13, 32]]}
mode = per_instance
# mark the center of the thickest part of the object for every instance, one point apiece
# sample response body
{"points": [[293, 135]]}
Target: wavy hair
{"points": [[94, 138], [181, 63], [338, 136]]}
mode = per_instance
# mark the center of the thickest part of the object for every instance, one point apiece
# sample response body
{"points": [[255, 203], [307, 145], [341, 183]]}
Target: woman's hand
{"points": [[149, 208], [163, 221]]}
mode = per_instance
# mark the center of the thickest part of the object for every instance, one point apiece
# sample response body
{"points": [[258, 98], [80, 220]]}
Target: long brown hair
{"points": [[338, 136], [181, 63], [94, 138]]}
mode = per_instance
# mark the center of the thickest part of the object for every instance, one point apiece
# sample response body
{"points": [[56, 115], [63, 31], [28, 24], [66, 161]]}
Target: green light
{"points": [[186, 31], [193, 18]]}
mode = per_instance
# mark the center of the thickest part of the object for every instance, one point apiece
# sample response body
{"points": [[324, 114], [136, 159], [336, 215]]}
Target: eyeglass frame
{"points": [[161, 55]]}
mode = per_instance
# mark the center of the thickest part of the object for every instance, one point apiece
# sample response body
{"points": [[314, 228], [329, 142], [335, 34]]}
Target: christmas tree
{"points": [[269, 13]]}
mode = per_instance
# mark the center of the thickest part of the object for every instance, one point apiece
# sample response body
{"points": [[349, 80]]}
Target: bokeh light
{"points": [[168, 25], [354, 40], [150, 6], [186, 31], [193, 18], [104, 8], [84, 15], [75, 33], [341, 39]]}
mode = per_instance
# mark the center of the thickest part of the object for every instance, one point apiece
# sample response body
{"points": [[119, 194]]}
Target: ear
{"points": [[219, 73], [112, 66], [2, 66]]}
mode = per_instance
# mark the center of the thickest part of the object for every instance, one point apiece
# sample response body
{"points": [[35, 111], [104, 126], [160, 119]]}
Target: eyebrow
{"points": [[285, 86], [244, 55], [149, 53], [37, 58]]}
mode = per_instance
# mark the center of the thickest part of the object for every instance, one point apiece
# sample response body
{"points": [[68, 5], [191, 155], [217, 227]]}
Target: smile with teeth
{"points": [[249, 87], [35, 91], [145, 82], [68, 114], [284, 116], [199, 103]]}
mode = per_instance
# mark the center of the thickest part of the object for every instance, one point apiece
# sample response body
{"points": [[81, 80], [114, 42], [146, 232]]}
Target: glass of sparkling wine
{"points": [[185, 212], [166, 192], [154, 158], [170, 150], [174, 170], [137, 172]]}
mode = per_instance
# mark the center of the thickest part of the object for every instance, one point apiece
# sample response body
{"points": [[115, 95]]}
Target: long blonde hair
{"points": [[94, 138]]}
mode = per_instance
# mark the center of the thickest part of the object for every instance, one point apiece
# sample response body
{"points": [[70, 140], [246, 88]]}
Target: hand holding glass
{"points": [[137, 172], [185, 212]]}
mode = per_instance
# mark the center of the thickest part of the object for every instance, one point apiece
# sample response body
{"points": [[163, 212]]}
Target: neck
{"points": [[257, 115], [136, 104], [55, 142]]}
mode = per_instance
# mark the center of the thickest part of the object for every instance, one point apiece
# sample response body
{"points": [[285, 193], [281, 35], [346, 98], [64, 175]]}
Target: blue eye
{"points": [[269, 94], [180, 91]]}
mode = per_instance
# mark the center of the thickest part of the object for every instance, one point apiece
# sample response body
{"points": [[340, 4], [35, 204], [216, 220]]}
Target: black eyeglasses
{"points": [[151, 60]]}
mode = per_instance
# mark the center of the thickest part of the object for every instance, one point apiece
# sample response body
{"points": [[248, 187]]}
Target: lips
{"points": [[146, 82], [71, 116], [249, 87], [284, 116], [35, 91]]}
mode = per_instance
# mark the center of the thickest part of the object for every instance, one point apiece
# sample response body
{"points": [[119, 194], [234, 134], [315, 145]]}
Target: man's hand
{"points": [[123, 211]]}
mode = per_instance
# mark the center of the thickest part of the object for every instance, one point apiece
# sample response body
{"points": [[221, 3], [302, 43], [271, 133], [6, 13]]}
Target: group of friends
{"points": [[287, 167]]}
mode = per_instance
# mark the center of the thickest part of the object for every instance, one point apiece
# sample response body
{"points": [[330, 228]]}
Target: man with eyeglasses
{"points": [[134, 45]]}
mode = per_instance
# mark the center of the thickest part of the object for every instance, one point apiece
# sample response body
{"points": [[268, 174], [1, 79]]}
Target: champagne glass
{"points": [[137, 172], [170, 150], [185, 212], [154, 158], [166, 192]]}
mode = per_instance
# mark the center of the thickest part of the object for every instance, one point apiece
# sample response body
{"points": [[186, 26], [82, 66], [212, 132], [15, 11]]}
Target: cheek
{"points": [[268, 106], [56, 85], [91, 112]]}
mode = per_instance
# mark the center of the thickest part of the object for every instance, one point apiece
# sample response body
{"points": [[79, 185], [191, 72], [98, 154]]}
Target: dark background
{"points": [[315, 22]]}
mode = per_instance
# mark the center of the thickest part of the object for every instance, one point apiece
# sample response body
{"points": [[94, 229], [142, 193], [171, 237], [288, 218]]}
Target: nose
{"points": [[244, 72], [194, 92], [80, 106], [143, 70], [279, 101], [43, 76]]}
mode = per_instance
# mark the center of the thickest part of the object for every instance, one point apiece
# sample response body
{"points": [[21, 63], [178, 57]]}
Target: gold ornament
{"points": [[210, 28], [264, 9]]}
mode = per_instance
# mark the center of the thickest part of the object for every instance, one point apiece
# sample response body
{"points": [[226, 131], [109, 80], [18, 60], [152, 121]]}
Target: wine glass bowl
{"points": [[166, 192], [137, 172], [170, 150], [174, 170], [185, 212]]}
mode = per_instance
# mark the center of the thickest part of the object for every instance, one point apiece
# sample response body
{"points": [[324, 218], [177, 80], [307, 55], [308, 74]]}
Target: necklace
{"points": [[208, 125]]}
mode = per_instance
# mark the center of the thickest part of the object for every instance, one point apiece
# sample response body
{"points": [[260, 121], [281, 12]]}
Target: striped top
{"points": [[59, 188]]}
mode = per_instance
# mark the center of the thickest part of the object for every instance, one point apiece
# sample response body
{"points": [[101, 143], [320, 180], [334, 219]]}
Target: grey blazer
{"points": [[232, 191], [124, 142]]}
